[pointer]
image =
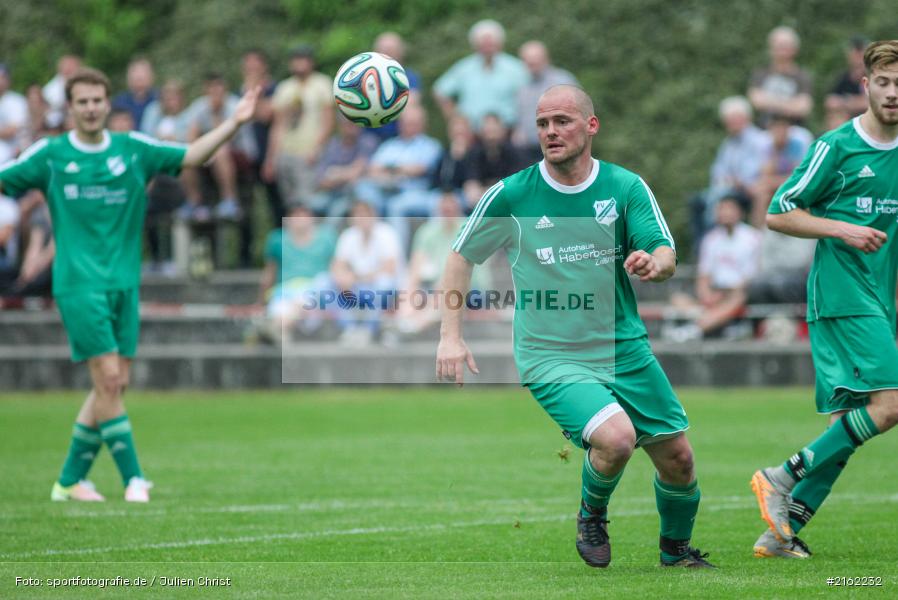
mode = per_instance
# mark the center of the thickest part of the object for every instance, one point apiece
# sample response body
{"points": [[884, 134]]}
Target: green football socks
{"points": [[86, 443], [810, 492], [597, 488], [835, 445], [677, 506], [116, 433]]}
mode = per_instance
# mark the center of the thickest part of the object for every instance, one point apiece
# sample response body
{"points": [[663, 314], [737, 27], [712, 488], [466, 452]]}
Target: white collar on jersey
{"points": [[92, 148], [867, 138], [569, 189]]}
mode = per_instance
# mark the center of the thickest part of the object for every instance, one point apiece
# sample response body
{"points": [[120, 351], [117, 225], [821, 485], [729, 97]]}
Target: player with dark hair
{"points": [[95, 184], [844, 194]]}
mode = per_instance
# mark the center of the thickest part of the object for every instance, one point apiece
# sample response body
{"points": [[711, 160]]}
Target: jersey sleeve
{"points": [[809, 184], [646, 227], [30, 170], [156, 156], [487, 229]]}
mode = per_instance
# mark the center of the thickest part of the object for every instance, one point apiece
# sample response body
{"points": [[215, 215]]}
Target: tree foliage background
{"points": [[657, 69]]}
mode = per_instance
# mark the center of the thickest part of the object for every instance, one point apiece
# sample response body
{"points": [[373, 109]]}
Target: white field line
{"points": [[729, 503]]}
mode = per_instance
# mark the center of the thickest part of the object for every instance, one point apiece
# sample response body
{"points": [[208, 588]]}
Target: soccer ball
{"points": [[371, 89]]}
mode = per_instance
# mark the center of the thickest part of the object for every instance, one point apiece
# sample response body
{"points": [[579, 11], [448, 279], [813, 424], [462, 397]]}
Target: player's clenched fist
{"points": [[866, 239], [642, 264]]}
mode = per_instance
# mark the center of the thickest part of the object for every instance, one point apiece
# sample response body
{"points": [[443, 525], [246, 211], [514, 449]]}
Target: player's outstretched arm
{"points": [[657, 266], [452, 353], [801, 223], [202, 149]]}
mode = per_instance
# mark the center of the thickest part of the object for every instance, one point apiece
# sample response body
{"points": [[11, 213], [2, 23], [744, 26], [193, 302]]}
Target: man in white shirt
{"points": [[13, 119]]}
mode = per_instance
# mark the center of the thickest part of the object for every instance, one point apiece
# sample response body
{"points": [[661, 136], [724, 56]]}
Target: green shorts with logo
{"points": [[643, 391], [101, 322], [853, 356]]}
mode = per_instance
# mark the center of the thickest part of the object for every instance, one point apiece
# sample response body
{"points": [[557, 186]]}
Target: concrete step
{"points": [[220, 366]]}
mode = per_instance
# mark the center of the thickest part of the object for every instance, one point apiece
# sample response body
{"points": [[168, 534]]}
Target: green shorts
{"points": [[101, 322], [644, 393], [853, 356]]}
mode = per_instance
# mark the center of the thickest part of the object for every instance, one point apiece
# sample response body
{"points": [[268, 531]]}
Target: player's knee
{"points": [[108, 385], [616, 448], [680, 466]]}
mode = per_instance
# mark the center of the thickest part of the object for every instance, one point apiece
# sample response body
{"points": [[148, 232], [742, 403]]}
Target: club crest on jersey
{"points": [[606, 211], [864, 205], [545, 256], [116, 165]]}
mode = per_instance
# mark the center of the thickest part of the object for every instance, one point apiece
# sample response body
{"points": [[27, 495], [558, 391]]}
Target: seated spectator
{"points": [[783, 272], [542, 75], [484, 82], [789, 143], [400, 171], [39, 125], [33, 276], [9, 241], [430, 248], [392, 44], [297, 259], [727, 263], [166, 119], [342, 164], [140, 92], [492, 158], [737, 166], [455, 166], [14, 135], [847, 98], [368, 259], [782, 87]]}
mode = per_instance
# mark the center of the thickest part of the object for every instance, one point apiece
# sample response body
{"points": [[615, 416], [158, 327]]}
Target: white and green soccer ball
{"points": [[371, 89]]}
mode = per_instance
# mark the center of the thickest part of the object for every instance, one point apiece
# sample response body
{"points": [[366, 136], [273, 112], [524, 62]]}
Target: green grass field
{"points": [[416, 493]]}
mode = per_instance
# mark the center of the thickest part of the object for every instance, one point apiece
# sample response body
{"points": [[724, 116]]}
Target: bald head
{"points": [[565, 94]]}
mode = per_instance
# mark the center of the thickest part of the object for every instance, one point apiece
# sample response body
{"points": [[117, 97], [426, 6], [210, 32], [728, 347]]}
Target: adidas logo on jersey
{"points": [[866, 172], [72, 167], [544, 223]]}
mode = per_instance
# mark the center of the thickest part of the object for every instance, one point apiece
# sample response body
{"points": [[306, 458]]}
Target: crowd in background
{"points": [[404, 191]]}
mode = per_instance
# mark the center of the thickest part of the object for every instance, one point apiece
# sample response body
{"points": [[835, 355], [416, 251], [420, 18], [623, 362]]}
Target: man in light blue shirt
{"points": [[400, 172], [484, 82]]}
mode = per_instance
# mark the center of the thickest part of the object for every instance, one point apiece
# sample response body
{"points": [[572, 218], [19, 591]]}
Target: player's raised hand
{"points": [[643, 265], [246, 107], [452, 356], [866, 239]]}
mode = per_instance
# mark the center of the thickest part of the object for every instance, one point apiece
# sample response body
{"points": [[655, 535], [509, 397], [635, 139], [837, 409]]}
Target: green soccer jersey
{"points": [[848, 176], [97, 200], [575, 307]]}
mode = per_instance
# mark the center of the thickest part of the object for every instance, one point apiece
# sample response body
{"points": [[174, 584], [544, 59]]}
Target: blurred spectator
{"points": [[783, 274], [484, 82], [430, 248], [789, 143], [9, 241], [32, 277], [255, 69], [342, 164], [140, 92], [303, 122], [782, 87], [400, 172], [167, 118], [736, 167], [542, 75], [492, 158], [54, 90], [13, 119], [728, 261], [297, 259], [455, 166], [39, 125], [847, 98], [391, 44], [368, 260], [120, 119]]}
